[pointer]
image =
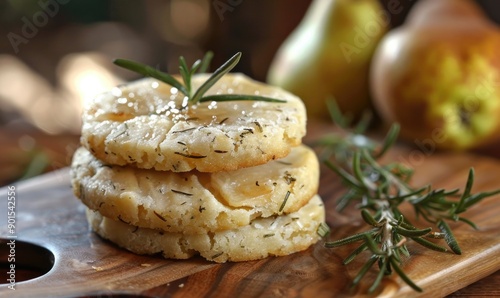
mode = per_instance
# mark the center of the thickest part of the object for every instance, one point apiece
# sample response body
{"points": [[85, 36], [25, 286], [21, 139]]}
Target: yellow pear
{"points": [[438, 76], [329, 53]]}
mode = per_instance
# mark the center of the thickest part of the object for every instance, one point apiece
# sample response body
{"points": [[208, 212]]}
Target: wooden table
{"points": [[48, 215]]}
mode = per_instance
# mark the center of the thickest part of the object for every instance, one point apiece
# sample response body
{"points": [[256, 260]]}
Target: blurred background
{"points": [[56, 53]]}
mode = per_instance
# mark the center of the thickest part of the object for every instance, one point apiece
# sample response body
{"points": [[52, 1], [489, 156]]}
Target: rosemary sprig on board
{"points": [[379, 191], [199, 66]]}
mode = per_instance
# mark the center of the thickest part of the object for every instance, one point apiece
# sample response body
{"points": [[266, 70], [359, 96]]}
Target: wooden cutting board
{"points": [[48, 215]]}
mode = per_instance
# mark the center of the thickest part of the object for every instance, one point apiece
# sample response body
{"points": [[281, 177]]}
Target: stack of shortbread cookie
{"points": [[229, 181]]}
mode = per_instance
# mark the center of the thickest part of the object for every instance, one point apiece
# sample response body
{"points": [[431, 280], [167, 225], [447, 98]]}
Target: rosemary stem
{"points": [[386, 218], [404, 189]]}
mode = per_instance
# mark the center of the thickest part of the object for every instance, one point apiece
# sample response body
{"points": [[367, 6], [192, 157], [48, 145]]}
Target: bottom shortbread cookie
{"points": [[273, 236]]}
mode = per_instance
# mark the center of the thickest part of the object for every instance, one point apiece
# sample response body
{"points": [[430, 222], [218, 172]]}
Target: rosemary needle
{"points": [[379, 190]]}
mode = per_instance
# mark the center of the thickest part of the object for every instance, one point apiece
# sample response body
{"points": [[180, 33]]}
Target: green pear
{"points": [[328, 55]]}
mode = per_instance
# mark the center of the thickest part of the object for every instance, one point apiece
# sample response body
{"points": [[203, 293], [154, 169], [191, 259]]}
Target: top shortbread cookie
{"points": [[142, 124]]}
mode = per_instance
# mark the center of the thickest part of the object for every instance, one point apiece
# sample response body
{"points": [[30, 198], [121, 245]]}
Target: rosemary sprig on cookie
{"points": [[379, 192], [199, 66]]}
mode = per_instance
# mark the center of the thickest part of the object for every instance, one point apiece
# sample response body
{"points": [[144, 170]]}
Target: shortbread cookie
{"points": [[263, 237], [142, 124], [195, 202]]}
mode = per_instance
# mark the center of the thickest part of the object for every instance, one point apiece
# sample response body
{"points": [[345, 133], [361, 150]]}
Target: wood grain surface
{"points": [[48, 215]]}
